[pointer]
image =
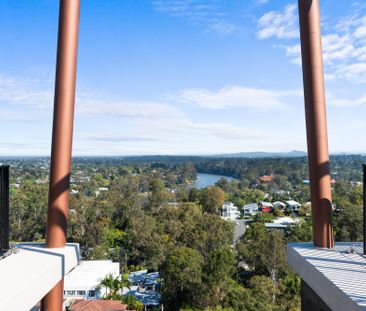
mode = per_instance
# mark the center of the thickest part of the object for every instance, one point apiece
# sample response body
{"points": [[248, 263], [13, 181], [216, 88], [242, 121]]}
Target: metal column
{"points": [[4, 208], [316, 124], [364, 209], [63, 118]]}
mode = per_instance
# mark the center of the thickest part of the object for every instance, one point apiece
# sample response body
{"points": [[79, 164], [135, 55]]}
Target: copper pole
{"points": [[63, 118], [316, 124]]}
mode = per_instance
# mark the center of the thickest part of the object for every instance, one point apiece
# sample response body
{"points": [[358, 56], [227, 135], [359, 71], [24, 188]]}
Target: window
{"points": [[81, 292], [91, 293]]}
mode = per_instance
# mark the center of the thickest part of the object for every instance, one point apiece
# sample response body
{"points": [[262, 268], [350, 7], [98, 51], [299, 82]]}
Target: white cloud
{"points": [[227, 131], [108, 137], [116, 126], [37, 96], [279, 25], [125, 109], [344, 43], [222, 27], [234, 97], [333, 100], [15, 115], [354, 72], [337, 47], [210, 15], [25, 91]]}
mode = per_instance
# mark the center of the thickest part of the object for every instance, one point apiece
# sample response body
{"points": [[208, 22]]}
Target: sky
{"points": [[180, 76]]}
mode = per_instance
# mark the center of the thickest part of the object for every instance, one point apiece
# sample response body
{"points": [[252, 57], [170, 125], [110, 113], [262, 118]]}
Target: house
{"points": [[286, 221], [145, 287], [98, 305], [83, 282], [292, 205], [137, 278], [151, 282], [281, 223], [266, 178], [266, 207], [279, 205], [230, 211], [274, 226], [250, 209]]}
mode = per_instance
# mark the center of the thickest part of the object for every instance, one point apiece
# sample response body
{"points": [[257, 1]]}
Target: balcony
{"points": [[31, 271], [332, 279]]}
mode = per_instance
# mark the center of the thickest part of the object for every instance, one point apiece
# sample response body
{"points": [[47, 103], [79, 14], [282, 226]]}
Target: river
{"points": [[204, 180]]}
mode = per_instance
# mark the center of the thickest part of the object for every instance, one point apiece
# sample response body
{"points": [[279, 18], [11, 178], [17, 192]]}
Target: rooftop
{"points": [[32, 265], [99, 305], [88, 274], [338, 276]]}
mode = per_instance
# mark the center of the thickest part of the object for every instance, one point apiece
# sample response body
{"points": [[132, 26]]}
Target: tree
{"points": [[218, 272], [111, 285], [132, 303], [182, 274], [212, 199], [238, 297], [273, 257], [158, 194], [115, 241], [250, 245], [348, 224], [262, 292], [301, 232]]}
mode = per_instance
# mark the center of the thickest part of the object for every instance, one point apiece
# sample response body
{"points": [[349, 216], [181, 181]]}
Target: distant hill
{"points": [[261, 154]]}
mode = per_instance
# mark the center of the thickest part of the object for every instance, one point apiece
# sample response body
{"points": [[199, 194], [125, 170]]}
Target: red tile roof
{"points": [[98, 305], [266, 178]]}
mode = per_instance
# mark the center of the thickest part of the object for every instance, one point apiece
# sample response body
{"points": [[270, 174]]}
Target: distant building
{"points": [[279, 205], [266, 207], [286, 221], [279, 191], [137, 278], [266, 178], [292, 205], [230, 211], [274, 226], [145, 287], [83, 282], [281, 223], [250, 209]]}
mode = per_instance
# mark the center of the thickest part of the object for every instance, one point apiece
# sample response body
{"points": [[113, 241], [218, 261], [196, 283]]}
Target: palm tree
{"points": [[108, 282], [113, 284]]}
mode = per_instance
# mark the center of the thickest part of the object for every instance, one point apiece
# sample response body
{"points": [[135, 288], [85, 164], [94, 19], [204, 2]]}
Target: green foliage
{"points": [[132, 303], [349, 224], [212, 199], [220, 265], [182, 274], [28, 212], [272, 285], [115, 238], [301, 232], [263, 218]]}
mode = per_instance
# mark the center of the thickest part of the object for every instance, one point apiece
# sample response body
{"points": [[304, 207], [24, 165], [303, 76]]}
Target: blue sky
{"points": [[180, 76]]}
